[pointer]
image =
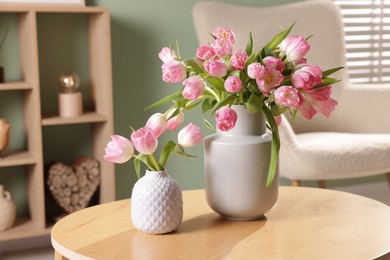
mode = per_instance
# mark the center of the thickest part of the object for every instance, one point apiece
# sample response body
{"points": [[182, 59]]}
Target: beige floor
{"points": [[378, 191]]}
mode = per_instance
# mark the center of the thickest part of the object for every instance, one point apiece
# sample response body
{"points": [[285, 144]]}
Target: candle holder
{"points": [[70, 102]]}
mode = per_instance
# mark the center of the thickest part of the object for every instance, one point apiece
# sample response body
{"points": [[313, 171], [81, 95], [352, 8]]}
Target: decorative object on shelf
{"points": [[266, 83], [156, 203], [49, 2], [73, 187], [4, 135], [70, 103], [7, 209], [2, 40]]}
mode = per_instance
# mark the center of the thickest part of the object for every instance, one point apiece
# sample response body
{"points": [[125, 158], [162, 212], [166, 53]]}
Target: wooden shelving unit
{"points": [[100, 119]]}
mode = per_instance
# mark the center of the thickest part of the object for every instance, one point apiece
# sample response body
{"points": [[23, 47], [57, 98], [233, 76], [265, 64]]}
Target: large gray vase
{"points": [[236, 167]]}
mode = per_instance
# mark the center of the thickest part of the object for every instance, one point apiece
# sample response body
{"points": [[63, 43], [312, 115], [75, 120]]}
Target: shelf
{"points": [[17, 158], [23, 228], [88, 117], [15, 85]]}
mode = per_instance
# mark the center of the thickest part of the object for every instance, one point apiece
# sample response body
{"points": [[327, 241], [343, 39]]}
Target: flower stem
{"points": [[157, 166]]}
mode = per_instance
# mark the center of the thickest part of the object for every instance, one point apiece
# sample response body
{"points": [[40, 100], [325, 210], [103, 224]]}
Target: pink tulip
{"points": [[158, 123], [238, 59], [226, 33], [222, 47], [226, 118], [205, 52], [233, 84], [216, 68], [273, 62], [294, 47], [175, 121], [301, 61], [287, 96], [317, 100], [255, 70], [307, 77], [189, 136], [271, 79], [167, 54], [144, 140], [194, 87], [173, 71], [118, 150]]}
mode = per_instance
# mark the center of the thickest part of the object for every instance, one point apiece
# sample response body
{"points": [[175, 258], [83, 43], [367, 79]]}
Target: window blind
{"points": [[367, 37]]}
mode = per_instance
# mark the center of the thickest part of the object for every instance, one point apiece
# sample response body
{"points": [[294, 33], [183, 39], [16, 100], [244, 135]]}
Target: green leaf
{"points": [[294, 115], [165, 100], [274, 147], [193, 104], [137, 167], [216, 83], [252, 86], [195, 65], [330, 71], [249, 45], [226, 101], [277, 110], [327, 82], [166, 152], [279, 38], [254, 103], [175, 113], [146, 160], [208, 125], [207, 105], [252, 58]]}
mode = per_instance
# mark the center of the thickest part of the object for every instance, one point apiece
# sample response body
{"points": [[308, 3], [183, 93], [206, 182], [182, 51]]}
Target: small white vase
{"points": [[156, 203], [7, 210], [236, 169]]}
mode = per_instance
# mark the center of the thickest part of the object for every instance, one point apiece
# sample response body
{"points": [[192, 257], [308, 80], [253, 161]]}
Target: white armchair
{"points": [[355, 140]]}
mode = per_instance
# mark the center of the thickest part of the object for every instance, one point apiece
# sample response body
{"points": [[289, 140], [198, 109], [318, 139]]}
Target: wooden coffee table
{"points": [[306, 223]]}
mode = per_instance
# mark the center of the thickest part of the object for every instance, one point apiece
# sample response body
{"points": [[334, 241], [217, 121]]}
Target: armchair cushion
{"points": [[326, 155]]}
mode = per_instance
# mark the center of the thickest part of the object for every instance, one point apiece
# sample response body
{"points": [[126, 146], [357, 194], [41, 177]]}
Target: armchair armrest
{"points": [[364, 108]]}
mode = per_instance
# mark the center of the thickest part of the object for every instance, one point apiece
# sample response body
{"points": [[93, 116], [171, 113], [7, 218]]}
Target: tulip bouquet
{"points": [[273, 80]]}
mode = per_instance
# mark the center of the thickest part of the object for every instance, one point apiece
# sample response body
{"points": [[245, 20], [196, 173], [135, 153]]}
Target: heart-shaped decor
{"points": [[72, 187]]}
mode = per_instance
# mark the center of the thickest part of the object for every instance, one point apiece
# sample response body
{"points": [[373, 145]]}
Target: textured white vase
{"points": [[236, 168], [7, 210], [156, 203]]}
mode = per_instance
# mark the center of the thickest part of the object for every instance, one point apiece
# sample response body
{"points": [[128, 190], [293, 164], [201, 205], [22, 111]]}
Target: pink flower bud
{"points": [[287, 96], [271, 79], [189, 136], [144, 140], [166, 54], [216, 68], [118, 150], [238, 59], [307, 77], [255, 70], [205, 52], [158, 123], [226, 118], [233, 84], [194, 87], [222, 47], [294, 47], [273, 62], [226, 33], [175, 121], [173, 71]]}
